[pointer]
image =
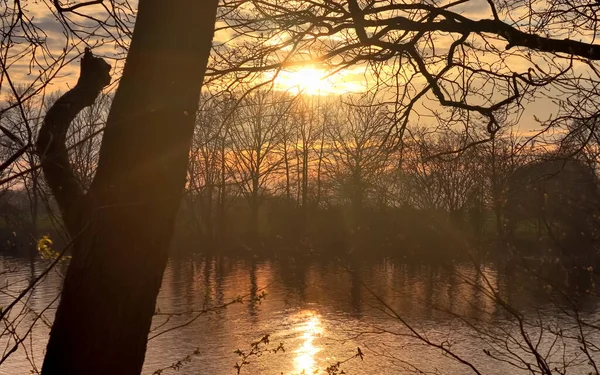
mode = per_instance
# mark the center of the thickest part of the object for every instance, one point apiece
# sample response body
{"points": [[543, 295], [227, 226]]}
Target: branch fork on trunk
{"points": [[51, 143]]}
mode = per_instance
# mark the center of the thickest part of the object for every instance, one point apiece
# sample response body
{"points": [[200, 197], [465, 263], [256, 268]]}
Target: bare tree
{"points": [[207, 165], [358, 152], [501, 158], [437, 176], [307, 122], [256, 134]]}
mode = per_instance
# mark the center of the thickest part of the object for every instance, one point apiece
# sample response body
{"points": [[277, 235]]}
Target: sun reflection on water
{"points": [[310, 329]]}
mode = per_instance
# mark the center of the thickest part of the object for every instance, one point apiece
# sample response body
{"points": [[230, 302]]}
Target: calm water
{"points": [[322, 311]]}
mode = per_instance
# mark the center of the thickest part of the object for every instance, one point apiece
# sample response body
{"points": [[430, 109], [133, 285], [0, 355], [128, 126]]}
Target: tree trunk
{"points": [[304, 224], [497, 195], [288, 196], [121, 250], [221, 214], [208, 214], [254, 207], [320, 162]]}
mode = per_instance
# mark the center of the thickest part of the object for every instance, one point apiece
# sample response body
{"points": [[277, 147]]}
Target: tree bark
{"points": [[121, 245]]}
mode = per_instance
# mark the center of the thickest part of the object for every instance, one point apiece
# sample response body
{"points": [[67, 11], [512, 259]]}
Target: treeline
{"points": [[279, 172], [330, 174]]}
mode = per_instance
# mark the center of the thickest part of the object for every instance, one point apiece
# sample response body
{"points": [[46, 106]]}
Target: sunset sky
{"points": [[311, 78]]}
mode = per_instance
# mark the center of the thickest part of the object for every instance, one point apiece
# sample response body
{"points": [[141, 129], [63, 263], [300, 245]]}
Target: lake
{"points": [[318, 312]]}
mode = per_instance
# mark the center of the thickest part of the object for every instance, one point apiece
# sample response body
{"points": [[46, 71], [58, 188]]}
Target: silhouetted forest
{"points": [[276, 172]]}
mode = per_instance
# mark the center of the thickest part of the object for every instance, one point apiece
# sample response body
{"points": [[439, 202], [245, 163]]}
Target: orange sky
{"points": [[310, 79]]}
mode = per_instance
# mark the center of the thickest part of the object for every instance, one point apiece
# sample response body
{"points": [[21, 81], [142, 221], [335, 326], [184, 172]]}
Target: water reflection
{"points": [[318, 308], [309, 329]]}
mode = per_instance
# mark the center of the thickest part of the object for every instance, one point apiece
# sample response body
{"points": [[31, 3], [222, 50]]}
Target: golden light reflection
{"points": [[310, 328]]}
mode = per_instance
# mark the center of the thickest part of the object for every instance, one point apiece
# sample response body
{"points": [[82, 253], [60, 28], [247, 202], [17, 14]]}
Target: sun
{"points": [[307, 80], [311, 80]]}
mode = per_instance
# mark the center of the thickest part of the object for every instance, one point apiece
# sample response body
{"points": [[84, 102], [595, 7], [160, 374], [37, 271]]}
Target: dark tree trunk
{"points": [[123, 235], [253, 225], [497, 197], [221, 213], [208, 213], [321, 154], [305, 155]]}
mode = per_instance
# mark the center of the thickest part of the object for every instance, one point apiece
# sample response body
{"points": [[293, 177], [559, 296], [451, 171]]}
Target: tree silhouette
{"points": [[121, 226]]}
